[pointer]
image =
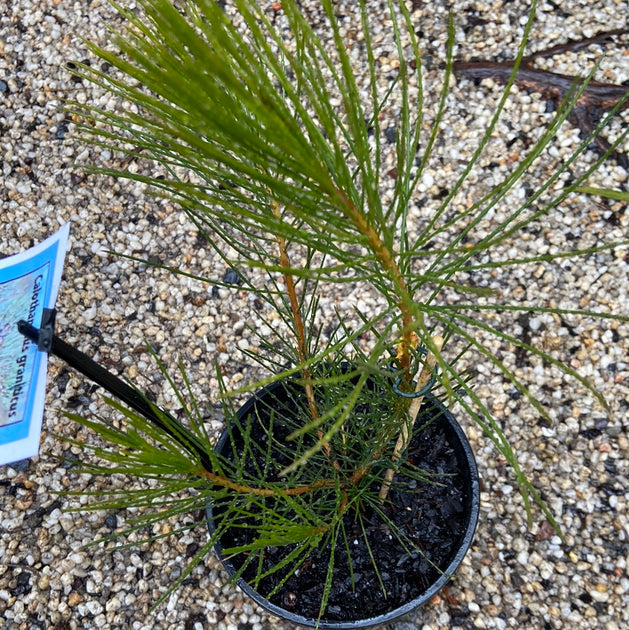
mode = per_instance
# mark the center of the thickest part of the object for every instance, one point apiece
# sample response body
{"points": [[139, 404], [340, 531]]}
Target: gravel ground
{"points": [[513, 577]]}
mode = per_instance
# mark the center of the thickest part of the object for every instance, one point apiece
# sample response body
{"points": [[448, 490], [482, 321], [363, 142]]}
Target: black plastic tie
{"points": [[46, 330]]}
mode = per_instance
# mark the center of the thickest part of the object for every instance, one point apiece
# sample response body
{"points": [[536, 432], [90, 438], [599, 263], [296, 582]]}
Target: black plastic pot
{"points": [[471, 493]]}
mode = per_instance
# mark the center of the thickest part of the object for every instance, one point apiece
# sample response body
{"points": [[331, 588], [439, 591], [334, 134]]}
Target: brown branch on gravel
{"points": [[574, 45], [597, 97]]}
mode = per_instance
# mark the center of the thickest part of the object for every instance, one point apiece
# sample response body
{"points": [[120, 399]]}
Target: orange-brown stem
{"points": [[387, 260], [302, 347], [291, 291], [301, 338], [263, 492]]}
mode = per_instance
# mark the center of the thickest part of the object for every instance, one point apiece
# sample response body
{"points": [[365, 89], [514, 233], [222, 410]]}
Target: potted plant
{"points": [[343, 492]]}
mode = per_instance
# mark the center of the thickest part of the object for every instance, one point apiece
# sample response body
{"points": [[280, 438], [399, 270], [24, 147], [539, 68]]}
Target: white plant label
{"points": [[29, 282]]}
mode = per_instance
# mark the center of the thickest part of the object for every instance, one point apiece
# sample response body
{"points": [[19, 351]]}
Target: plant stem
{"points": [[224, 482], [291, 291], [302, 347], [406, 431], [387, 260]]}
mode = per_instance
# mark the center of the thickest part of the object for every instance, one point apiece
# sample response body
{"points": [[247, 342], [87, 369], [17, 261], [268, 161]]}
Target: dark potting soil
{"points": [[432, 516]]}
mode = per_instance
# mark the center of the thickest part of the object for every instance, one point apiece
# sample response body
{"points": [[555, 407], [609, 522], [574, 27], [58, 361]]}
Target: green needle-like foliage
{"points": [[262, 130]]}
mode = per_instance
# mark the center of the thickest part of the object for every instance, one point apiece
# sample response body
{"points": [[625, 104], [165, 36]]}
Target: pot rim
{"points": [[459, 442]]}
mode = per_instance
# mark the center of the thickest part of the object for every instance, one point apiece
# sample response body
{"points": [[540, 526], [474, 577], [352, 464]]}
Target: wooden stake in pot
{"points": [[405, 433]]}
